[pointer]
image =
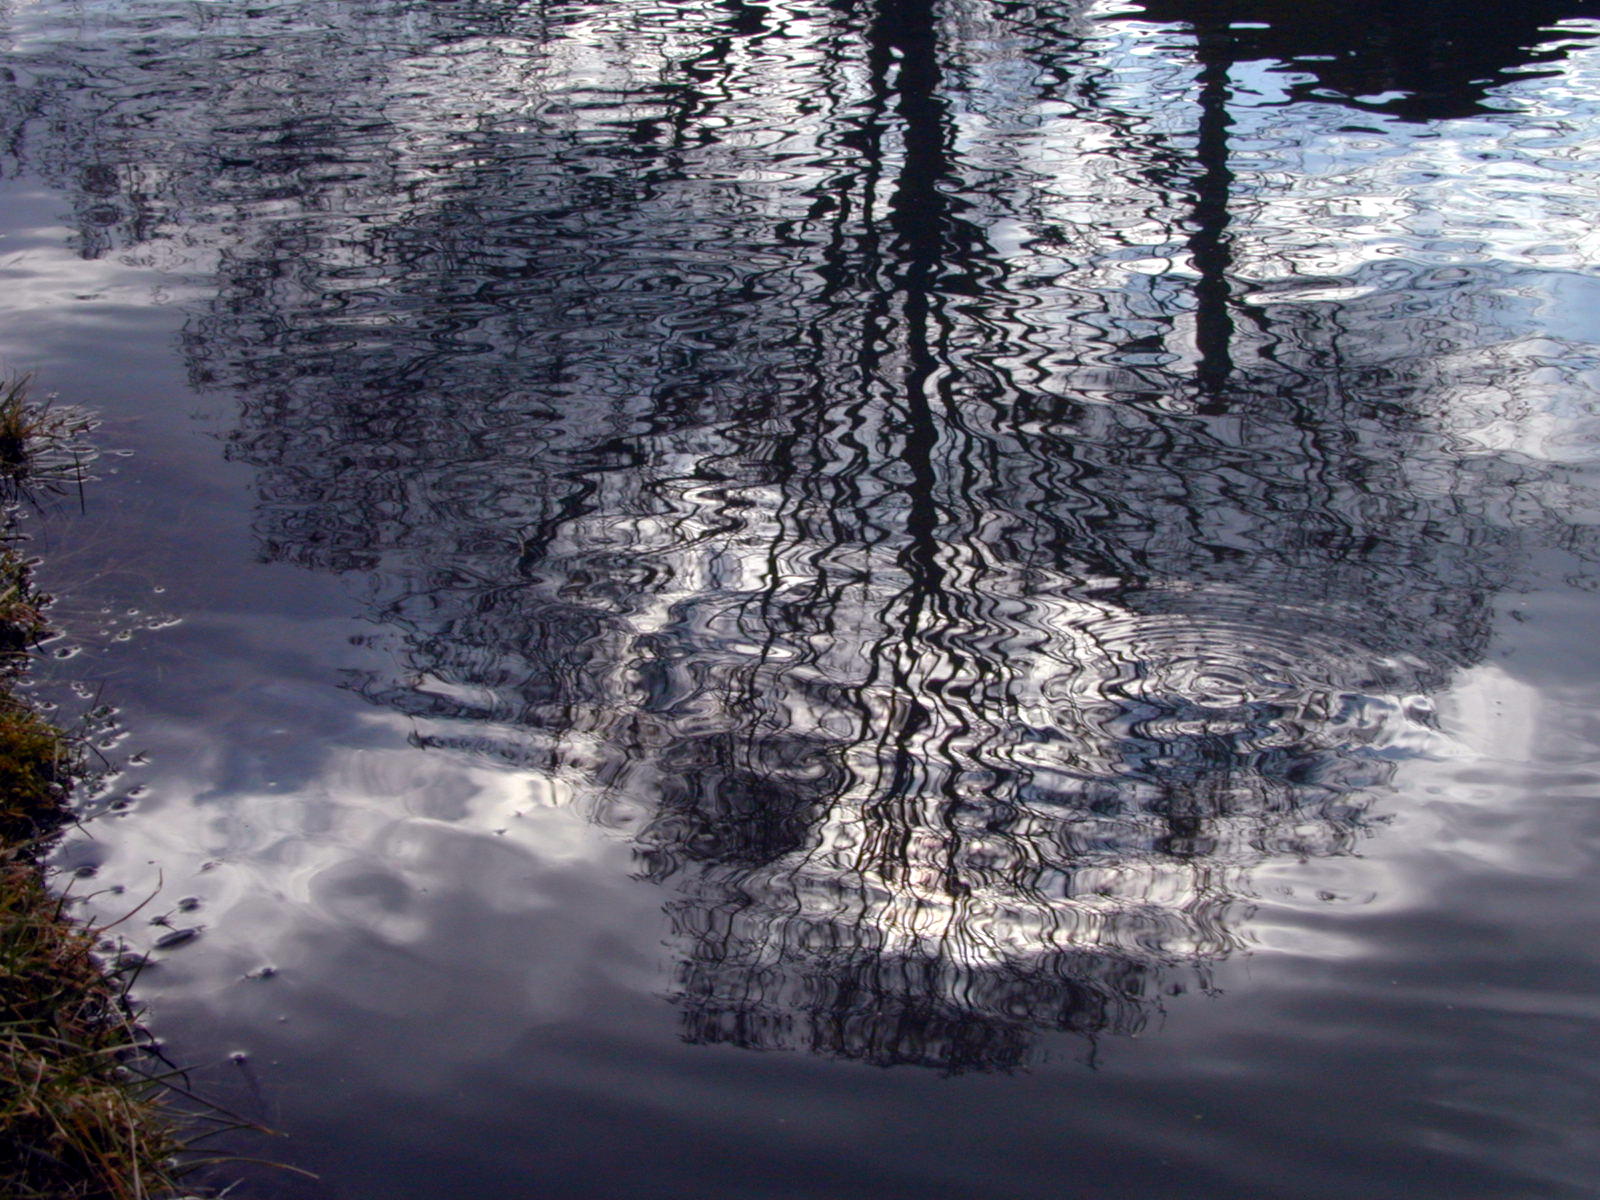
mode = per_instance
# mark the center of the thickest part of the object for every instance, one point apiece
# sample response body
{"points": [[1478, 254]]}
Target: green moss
{"points": [[33, 775]]}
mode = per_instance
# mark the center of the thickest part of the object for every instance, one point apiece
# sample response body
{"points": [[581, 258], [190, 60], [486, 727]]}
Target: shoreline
{"points": [[77, 1121]]}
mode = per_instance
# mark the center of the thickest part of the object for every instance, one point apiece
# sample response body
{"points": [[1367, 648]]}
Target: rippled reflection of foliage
{"points": [[760, 419]]}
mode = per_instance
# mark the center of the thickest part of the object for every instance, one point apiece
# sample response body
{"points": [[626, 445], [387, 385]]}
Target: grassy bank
{"points": [[75, 1120]]}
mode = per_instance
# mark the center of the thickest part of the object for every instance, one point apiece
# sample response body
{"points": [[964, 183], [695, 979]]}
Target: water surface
{"points": [[837, 599]]}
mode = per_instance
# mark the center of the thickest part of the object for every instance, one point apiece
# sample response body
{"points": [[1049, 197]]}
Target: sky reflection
{"points": [[977, 496]]}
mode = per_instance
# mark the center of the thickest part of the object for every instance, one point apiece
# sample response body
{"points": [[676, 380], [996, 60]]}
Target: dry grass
{"points": [[75, 1124], [42, 446]]}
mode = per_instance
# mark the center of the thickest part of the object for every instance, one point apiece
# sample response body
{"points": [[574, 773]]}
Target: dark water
{"points": [[826, 599]]}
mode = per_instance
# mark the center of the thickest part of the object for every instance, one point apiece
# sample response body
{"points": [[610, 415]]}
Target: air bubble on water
{"points": [[178, 937]]}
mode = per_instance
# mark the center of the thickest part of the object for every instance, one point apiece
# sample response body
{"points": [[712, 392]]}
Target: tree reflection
{"points": [[735, 421], [1427, 61]]}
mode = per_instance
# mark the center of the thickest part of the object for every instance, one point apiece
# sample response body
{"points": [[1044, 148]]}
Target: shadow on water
{"points": [[764, 421]]}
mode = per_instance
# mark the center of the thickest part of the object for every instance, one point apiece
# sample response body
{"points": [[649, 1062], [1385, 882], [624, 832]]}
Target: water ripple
{"points": [[979, 482]]}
